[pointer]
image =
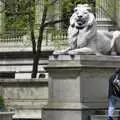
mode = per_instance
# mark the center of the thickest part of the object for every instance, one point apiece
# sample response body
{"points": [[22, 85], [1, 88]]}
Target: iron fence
{"points": [[22, 39]]}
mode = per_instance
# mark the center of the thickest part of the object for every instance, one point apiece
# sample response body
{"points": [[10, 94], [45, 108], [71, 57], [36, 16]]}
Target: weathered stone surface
{"points": [[103, 117], [25, 97], [6, 115], [78, 85]]}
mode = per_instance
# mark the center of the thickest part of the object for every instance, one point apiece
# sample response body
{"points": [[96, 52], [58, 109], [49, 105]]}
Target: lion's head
{"points": [[81, 15]]}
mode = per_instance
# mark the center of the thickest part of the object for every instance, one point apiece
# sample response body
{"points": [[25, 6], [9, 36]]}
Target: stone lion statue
{"points": [[84, 38]]}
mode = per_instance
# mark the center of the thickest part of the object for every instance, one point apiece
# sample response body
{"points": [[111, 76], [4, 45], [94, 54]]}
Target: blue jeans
{"points": [[112, 101]]}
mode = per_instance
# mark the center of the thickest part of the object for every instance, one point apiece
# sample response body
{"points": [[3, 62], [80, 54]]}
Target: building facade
{"points": [[22, 94]]}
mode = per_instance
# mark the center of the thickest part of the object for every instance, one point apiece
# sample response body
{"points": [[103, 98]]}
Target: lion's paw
{"points": [[58, 52], [72, 52]]}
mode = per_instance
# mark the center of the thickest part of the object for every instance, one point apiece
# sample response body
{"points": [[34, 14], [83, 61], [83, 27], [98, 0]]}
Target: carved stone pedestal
{"points": [[78, 86]]}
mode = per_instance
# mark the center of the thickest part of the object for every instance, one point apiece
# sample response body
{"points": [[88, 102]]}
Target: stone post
{"points": [[78, 86], [118, 12], [105, 10]]}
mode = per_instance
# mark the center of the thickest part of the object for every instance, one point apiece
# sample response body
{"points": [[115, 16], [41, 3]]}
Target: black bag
{"points": [[114, 84]]}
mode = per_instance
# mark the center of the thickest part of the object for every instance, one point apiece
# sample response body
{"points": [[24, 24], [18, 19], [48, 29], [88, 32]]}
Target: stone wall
{"points": [[25, 97]]}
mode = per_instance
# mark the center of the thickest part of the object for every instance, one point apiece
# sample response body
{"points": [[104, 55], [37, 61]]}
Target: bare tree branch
{"points": [[31, 23], [16, 13], [53, 2], [42, 28], [54, 22]]}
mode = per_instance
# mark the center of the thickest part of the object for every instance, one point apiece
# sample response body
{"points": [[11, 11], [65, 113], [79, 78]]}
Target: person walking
{"points": [[113, 93]]}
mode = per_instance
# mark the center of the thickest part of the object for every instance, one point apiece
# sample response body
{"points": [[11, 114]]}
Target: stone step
{"points": [[104, 25], [103, 117], [108, 26], [104, 22], [104, 112], [27, 115], [6, 115], [116, 112]]}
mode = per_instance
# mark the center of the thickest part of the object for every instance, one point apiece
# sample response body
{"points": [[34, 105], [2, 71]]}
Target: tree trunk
{"points": [[35, 64], [39, 42]]}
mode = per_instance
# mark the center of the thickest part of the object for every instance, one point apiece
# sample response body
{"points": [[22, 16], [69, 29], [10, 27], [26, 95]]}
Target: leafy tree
{"points": [[17, 14], [20, 15], [44, 23]]}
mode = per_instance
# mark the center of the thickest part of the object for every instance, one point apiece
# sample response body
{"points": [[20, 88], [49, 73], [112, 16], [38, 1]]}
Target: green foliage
{"points": [[17, 14], [67, 5], [16, 22]]}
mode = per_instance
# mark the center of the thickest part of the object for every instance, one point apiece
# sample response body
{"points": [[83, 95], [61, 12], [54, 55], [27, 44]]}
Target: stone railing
{"points": [[59, 39], [50, 39], [13, 38]]}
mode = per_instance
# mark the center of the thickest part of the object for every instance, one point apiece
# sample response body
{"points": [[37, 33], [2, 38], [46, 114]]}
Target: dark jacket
{"points": [[114, 84]]}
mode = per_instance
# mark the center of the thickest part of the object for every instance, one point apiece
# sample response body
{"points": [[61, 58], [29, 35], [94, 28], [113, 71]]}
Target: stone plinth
{"points": [[78, 85]]}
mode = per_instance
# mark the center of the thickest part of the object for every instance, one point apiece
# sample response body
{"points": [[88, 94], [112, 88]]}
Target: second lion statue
{"points": [[84, 38]]}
